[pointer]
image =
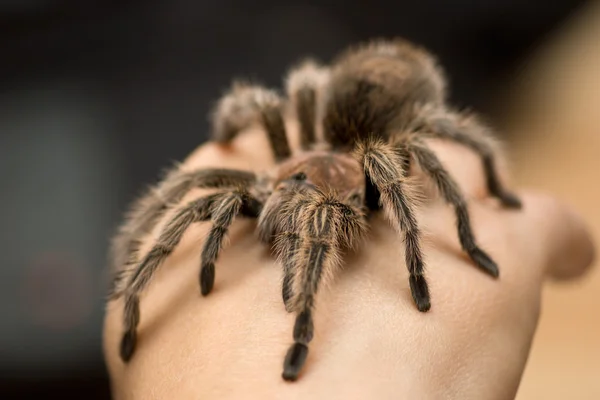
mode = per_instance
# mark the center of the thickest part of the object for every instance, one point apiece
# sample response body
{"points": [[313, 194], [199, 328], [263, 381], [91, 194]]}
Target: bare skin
{"points": [[370, 341]]}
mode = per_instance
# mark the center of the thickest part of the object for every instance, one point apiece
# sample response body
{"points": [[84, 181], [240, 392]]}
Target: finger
{"points": [[543, 239], [566, 247], [465, 166], [249, 150], [556, 239]]}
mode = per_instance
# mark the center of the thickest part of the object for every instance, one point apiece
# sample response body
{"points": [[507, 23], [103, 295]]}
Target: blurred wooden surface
{"points": [[559, 108]]}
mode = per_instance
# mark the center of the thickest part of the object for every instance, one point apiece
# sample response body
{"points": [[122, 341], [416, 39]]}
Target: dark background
{"points": [[97, 96]]}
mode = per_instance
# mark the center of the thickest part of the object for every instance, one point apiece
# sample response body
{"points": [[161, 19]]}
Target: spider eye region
{"points": [[347, 211], [300, 176]]}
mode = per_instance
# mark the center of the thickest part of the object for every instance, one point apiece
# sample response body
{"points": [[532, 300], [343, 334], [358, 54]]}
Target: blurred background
{"points": [[97, 96]]}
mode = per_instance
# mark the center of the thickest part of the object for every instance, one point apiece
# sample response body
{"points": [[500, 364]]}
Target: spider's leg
{"points": [[289, 243], [452, 194], [383, 168], [150, 207], [197, 210], [246, 104], [303, 84], [327, 226], [223, 213], [201, 209], [468, 131], [288, 246]]}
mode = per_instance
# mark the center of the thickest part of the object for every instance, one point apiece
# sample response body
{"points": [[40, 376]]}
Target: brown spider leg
{"points": [[223, 213], [288, 243], [150, 207], [323, 231], [302, 86], [278, 225], [451, 192], [305, 110], [383, 168], [246, 104], [467, 131], [196, 211]]}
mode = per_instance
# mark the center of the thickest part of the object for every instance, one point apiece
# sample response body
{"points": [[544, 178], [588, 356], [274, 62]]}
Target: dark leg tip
{"points": [[510, 200], [128, 345], [484, 262], [294, 361], [207, 278], [420, 292]]}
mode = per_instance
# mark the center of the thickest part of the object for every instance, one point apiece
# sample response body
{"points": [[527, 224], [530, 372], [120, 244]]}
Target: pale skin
{"points": [[370, 339]]}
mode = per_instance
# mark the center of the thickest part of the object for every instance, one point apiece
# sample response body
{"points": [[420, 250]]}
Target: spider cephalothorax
{"points": [[372, 109]]}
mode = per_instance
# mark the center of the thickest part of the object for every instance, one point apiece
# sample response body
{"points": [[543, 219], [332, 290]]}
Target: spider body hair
{"points": [[394, 89], [374, 88], [363, 123], [247, 104], [304, 85]]}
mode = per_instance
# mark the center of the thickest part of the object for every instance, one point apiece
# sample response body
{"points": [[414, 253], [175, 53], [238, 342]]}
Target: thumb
{"points": [[565, 242]]}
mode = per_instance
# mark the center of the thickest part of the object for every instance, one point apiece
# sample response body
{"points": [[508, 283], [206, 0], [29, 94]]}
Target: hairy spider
{"points": [[372, 108]]}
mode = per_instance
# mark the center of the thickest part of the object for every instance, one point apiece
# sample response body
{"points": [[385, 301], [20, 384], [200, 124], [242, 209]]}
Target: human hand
{"points": [[370, 340]]}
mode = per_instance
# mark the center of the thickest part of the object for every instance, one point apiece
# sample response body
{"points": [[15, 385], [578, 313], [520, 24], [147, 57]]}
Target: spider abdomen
{"points": [[374, 89]]}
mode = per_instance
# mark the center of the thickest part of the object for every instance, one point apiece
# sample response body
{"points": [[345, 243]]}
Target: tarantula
{"points": [[373, 108]]}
